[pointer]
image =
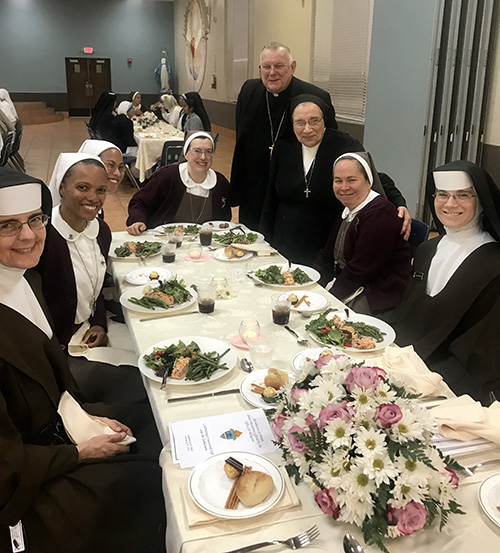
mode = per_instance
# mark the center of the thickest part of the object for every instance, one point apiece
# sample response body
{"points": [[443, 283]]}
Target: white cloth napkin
{"points": [[259, 248], [79, 425], [117, 352], [464, 419], [196, 517]]}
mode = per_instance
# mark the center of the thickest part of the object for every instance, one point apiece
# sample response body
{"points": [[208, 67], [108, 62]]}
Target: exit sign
{"points": [[88, 50]]}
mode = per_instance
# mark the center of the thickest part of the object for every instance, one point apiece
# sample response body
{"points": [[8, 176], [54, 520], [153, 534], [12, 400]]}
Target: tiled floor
{"points": [[41, 145]]}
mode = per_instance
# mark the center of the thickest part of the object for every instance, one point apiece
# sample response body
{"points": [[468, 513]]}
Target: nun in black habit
{"points": [[451, 311], [100, 495], [300, 206]]}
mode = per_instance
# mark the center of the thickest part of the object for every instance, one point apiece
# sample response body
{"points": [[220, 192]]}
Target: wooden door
{"points": [[86, 79]]}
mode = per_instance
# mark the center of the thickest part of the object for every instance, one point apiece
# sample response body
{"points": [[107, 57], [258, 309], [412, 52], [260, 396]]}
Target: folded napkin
{"points": [[408, 367], [79, 425], [259, 248], [117, 352], [196, 517], [464, 419]]}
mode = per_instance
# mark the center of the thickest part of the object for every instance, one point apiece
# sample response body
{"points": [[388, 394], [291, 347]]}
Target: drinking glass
{"points": [[206, 298], [249, 330], [281, 306], [262, 350], [168, 252]]}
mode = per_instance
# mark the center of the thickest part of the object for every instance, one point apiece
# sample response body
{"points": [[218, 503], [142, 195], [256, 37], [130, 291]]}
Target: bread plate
{"points": [[390, 334], [221, 256], [209, 486], [489, 498], [137, 292], [141, 276], [256, 377], [312, 274], [302, 357], [206, 345], [317, 302], [216, 225]]}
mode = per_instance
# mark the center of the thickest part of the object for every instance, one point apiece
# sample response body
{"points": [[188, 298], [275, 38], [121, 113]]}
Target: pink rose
{"points": [[277, 425], [335, 411], [326, 501], [408, 519], [296, 393], [364, 377], [295, 443], [453, 477], [310, 421], [388, 414], [325, 359]]}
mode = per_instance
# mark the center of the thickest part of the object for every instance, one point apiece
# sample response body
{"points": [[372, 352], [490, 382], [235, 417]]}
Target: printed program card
{"points": [[196, 439]]}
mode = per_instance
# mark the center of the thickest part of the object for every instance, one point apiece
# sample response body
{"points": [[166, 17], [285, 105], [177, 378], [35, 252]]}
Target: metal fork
{"points": [[297, 542], [469, 471]]}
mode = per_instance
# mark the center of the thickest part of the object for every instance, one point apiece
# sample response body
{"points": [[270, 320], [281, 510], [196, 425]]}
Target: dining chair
{"points": [[15, 155], [418, 234], [171, 152], [6, 152]]}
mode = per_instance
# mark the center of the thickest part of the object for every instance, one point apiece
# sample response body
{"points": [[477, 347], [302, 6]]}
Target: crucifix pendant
{"points": [[306, 192], [271, 148]]}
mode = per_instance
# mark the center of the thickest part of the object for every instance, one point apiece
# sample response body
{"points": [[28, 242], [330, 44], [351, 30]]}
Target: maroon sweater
{"points": [[159, 200], [376, 254]]}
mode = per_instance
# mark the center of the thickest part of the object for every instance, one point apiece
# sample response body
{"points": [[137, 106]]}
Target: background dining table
{"points": [[150, 141], [188, 530]]}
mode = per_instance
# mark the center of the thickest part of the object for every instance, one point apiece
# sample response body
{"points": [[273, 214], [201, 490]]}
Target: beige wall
{"points": [[285, 21], [492, 122]]}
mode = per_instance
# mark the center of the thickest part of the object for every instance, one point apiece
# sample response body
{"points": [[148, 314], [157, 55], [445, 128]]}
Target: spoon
{"points": [[246, 365], [300, 341], [351, 545]]}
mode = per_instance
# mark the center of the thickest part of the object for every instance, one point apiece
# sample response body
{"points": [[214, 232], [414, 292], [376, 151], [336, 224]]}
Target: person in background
{"points": [[195, 117], [451, 310], [100, 495], [365, 249], [112, 158], [135, 109], [262, 117], [170, 109], [7, 106], [189, 191]]}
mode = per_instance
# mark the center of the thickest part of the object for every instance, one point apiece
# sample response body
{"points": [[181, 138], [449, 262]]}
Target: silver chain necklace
{"points": [[274, 137], [202, 207], [93, 284], [307, 190]]}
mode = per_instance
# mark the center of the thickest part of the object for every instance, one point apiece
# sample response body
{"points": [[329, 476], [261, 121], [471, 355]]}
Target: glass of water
{"points": [[262, 350]]}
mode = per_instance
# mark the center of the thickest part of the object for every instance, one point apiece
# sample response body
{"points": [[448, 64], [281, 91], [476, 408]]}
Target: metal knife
{"points": [[167, 316], [199, 396]]}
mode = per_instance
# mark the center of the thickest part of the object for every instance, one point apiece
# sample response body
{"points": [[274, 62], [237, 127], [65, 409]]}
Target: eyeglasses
{"points": [[198, 152], [277, 67], [313, 122], [441, 196], [113, 167], [13, 227]]}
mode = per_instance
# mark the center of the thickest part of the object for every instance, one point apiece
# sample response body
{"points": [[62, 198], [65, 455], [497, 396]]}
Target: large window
{"points": [[341, 54]]}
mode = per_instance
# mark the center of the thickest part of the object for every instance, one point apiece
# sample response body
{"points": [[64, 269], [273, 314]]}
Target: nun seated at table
{"points": [[451, 310], [186, 192], [100, 495], [365, 252], [112, 158]]}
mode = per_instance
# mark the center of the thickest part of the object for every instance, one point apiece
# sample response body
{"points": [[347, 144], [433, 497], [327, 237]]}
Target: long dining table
{"points": [[150, 141], [185, 532]]}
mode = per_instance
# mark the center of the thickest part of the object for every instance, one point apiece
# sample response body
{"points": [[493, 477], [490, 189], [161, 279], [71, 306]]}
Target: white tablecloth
{"points": [[150, 142], [465, 534]]}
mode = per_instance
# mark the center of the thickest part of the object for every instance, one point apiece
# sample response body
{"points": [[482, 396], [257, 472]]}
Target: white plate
{"points": [[141, 275], [162, 228], [256, 377], [260, 237], [389, 338], [137, 293], [312, 353], [131, 257], [313, 275], [215, 225], [209, 486], [317, 301], [221, 256], [489, 497], [206, 345]]}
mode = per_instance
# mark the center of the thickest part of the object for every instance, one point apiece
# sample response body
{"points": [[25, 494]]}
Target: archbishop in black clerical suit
{"points": [[255, 138]]}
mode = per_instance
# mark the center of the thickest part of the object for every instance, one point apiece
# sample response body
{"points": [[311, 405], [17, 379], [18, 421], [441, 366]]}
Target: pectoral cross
{"points": [[306, 192], [271, 148]]}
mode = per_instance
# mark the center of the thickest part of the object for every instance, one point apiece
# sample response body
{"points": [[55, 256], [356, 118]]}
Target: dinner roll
{"points": [[253, 487]]}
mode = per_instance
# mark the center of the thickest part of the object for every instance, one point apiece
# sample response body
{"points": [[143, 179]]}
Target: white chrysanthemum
{"points": [[357, 483], [306, 400], [364, 400], [414, 471], [354, 509], [393, 532], [309, 481], [300, 461], [380, 468], [339, 433], [333, 464], [385, 394], [407, 429], [324, 396], [370, 441], [405, 491], [337, 366]]}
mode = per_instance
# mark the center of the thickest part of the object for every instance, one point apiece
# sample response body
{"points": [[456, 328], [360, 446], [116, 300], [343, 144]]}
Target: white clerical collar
{"points": [[308, 156], [70, 234], [209, 182], [349, 215]]}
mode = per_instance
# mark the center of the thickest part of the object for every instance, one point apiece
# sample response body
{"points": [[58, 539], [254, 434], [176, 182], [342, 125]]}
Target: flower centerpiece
{"points": [[363, 444], [147, 119]]}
